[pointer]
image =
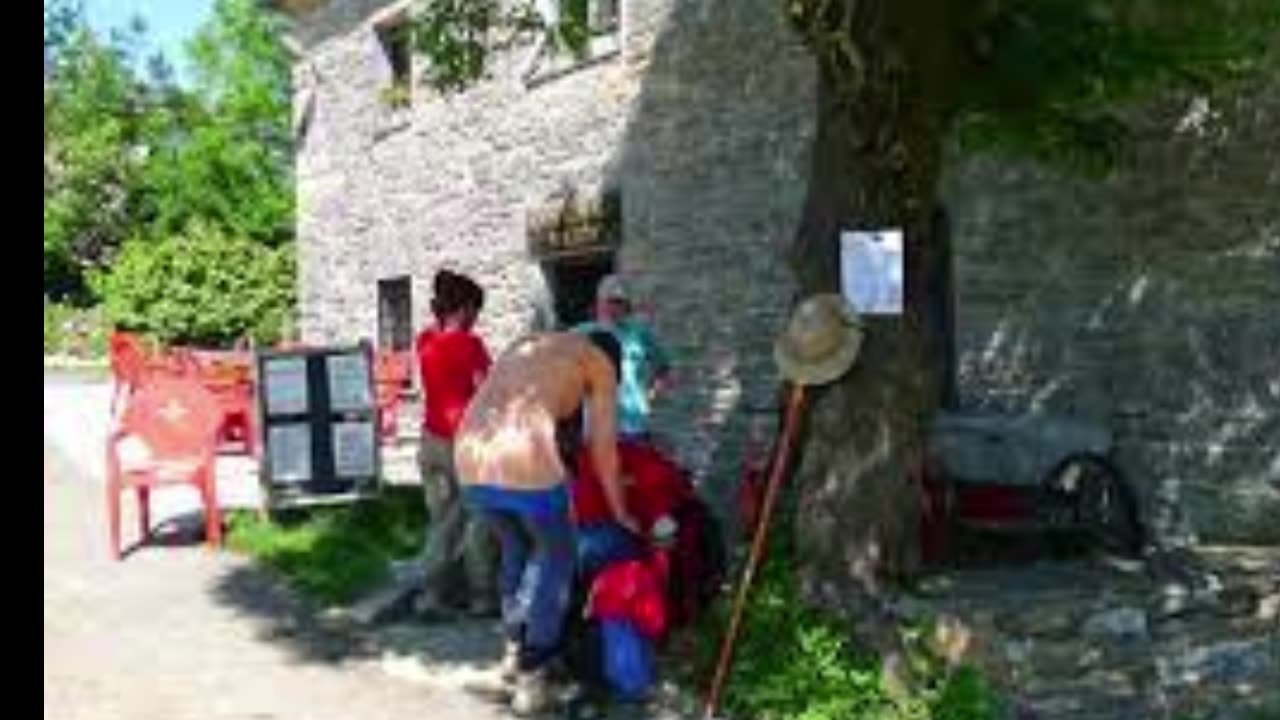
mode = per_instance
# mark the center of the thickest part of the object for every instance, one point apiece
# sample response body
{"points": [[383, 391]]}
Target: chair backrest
{"points": [[172, 362], [174, 416], [225, 369], [128, 357]]}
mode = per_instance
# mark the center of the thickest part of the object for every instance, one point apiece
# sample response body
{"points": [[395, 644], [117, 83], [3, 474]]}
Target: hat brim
{"points": [[823, 371]]}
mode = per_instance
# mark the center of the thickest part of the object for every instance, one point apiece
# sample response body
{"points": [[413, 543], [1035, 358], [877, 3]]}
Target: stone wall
{"points": [[1145, 302], [387, 192], [1184, 635], [714, 166], [709, 159]]}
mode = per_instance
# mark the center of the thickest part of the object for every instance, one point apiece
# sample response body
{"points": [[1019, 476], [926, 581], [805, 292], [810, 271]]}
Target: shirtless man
{"points": [[512, 476]]}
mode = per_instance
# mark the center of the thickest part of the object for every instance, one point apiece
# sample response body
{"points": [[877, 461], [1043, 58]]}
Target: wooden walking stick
{"points": [[795, 403], [820, 343]]}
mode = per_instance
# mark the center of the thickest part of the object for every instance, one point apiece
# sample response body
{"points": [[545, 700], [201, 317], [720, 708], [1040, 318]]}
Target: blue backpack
{"points": [[627, 659]]}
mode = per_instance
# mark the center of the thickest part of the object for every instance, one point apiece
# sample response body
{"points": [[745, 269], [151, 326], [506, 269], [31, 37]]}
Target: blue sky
{"points": [[170, 23]]}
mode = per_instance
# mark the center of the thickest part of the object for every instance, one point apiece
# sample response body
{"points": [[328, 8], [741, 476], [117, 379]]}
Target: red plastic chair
{"points": [[128, 357], [174, 362], [228, 377], [173, 423], [391, 373]]}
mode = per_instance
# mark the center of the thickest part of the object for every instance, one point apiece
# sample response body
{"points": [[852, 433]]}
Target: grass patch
{"points": [[793, 662], [333, 554]]}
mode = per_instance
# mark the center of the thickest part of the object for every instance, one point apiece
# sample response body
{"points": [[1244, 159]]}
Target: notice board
{"points": [[319, 425]]}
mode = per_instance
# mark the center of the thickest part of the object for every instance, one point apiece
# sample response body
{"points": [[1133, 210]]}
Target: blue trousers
{"points": [[536, 536]]}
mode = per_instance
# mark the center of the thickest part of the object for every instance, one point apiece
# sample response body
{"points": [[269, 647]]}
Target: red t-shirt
{"points": [[452, 363]]}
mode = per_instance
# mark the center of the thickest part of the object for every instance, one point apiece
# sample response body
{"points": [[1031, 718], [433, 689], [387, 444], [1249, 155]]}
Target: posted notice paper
{"points": [[871, 270]]}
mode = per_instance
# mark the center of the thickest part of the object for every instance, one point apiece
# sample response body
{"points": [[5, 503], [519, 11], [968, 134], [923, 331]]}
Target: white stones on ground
{"points": [[1018, 652], [1175, 599], [1047, 622], [1269, 607], [1123, 623], [951, 639], [910, 609], [456, 676], [1240, 663]]}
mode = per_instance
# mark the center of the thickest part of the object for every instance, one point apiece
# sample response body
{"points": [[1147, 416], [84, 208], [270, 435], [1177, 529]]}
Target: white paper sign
{"points": [[871, 270], [286, 385], [353, 449], [348, 382], [290, 455]]}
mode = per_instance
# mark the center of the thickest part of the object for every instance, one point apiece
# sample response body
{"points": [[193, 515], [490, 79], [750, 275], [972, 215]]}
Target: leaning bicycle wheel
{"points": [[1103, 505]]}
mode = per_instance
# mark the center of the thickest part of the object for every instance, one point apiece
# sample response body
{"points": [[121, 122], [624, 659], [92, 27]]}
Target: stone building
{"points": [[676, 153]]}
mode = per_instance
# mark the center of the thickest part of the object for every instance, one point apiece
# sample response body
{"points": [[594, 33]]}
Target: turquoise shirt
{"points": [[643, 359]]}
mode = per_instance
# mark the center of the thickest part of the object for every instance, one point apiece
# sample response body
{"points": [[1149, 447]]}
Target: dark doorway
{"points": [[572, 281], [395, 313]]}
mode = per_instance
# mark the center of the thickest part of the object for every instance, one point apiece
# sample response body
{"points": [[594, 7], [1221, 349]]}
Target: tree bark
{"points": [[886, 76]]}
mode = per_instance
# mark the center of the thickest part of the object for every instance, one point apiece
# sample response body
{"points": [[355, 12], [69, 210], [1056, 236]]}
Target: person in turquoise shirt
{"points": [[646, 368]]}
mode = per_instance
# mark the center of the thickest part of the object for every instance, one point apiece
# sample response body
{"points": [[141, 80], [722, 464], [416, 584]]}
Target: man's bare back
{"points": [[507, 438]]}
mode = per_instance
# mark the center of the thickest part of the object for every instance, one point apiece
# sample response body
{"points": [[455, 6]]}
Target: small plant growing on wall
{"points": [[396, 96]]}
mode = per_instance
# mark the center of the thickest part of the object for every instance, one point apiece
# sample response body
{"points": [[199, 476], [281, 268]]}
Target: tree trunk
{"points": [[887, 71]]}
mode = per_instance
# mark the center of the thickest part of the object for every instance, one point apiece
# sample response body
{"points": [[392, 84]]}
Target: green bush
{"points": [[202, 287], [78, 332]]}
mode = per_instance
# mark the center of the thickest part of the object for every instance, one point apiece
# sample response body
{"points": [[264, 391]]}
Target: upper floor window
{"points": [[395, 313], [603, 39], [395, 38], [603, 16]]}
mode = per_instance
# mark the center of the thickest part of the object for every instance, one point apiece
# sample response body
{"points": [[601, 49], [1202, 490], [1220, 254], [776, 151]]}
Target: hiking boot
{"points": [[509, 666], [533, 694]]}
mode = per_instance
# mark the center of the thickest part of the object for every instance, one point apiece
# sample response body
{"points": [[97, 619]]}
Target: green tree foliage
{"points": [[458, 36], [223, 153], [1044, 76], [1052, 75], [61, 19], [93, 123], [204, 286], [136, 165]]}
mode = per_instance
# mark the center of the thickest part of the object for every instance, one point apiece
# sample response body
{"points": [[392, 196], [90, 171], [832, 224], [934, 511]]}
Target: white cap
{"points": [[612, 287]]}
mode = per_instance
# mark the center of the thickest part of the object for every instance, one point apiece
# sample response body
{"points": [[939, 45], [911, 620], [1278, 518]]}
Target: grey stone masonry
{"points": [[708, 157], [1146, 301]]}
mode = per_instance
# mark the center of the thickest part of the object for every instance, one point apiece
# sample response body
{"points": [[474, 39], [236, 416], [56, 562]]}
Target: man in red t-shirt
{"points": [[452, 360]]}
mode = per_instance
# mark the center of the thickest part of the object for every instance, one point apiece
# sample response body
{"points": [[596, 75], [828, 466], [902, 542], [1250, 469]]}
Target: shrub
{"points": [[78, 332], [203, 287]]}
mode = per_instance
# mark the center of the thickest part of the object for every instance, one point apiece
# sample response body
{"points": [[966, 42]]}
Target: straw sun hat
{"points": [[821, 340]]}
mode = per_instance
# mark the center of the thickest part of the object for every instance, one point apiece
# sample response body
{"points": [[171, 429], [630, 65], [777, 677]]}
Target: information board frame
{"points": [[312, 478]]}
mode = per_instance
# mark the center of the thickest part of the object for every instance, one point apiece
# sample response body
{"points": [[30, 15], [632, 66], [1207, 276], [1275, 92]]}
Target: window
{"points": [[395, 38], [604, 23], [395, 314], [604, 16]]}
